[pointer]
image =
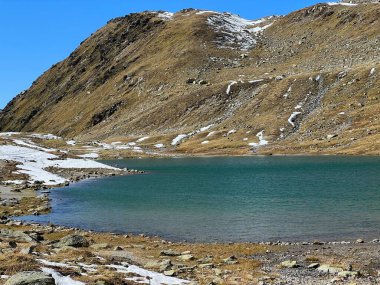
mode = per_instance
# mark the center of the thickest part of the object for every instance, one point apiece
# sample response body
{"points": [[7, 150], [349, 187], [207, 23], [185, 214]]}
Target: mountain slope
{"points": [[305, 82]]}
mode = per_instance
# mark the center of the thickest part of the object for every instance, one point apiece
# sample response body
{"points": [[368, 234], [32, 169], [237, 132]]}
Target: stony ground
{"points": [[97, 258], [107, 258]]}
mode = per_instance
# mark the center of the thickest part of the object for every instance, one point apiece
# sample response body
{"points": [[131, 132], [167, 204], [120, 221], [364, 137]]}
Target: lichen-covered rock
{"points": [[31, 278], [74, 241]]}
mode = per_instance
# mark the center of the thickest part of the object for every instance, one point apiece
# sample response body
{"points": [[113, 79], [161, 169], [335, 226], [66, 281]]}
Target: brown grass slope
{"points": [[129, 80]]}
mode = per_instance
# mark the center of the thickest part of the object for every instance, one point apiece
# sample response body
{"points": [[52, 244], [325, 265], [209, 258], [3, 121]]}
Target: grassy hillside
{"points": [[307, 82]]}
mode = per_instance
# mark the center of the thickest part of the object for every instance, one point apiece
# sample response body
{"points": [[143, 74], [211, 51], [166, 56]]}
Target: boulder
{"points": [[313, 265], [325, 268], [28, 250], [230, 260], [31, 278], [347, 274], [163, 265], [186, 257], [73, 241], [15, 235], [170, 252], [289, 264]]}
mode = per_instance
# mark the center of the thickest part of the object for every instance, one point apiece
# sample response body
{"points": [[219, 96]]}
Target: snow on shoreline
{"points": [[60, 279], [129, 270], [33, 162]]}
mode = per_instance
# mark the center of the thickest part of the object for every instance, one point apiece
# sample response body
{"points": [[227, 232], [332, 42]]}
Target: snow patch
{"points": [[286, 95], [149, 277], [15, 182], [8, 134], [32, 145], [372, 72], [255, 81], [205, 142], [210, 134], [206, 12], [229, 87], [231, 132], [33, 163], [159, 145], [45, 136], [71, 142], [165, 15], [206, 128], [142, 139], [54, 264], [262, 141], [89, 155], [235, 32], [60, 279], [292, 117], [299, 106], [178, 139], [342, 4]]}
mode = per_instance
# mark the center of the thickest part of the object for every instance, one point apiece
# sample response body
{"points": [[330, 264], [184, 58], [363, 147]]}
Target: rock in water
{"points": [[31, 278], [74, 241]]}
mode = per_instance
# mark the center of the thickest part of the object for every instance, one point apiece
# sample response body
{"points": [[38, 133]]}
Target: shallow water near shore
{"points": [[223, 199]]}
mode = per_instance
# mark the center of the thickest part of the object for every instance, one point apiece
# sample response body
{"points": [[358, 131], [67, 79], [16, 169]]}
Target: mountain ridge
{"points": [[162, 75]]}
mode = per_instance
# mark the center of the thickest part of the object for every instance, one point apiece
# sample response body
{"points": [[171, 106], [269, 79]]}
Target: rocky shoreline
{"points": [[53, 254], [110, 258]]}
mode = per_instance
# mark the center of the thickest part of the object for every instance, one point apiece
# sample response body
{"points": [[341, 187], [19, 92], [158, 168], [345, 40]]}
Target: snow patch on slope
{"points": [[177, 140], [235, 32], [165, 15], [292, 118], [262, 141], [341, 3]]}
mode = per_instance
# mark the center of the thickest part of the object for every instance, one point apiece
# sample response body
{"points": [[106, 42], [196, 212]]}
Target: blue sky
{"points": [[35, 34]]}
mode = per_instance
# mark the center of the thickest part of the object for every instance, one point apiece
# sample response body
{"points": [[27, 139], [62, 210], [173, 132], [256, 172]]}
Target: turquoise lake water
{"points": [[230, 199]]}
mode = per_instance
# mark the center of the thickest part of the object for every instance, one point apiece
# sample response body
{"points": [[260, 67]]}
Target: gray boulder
{"points": [[73, 241], [30, 278]]}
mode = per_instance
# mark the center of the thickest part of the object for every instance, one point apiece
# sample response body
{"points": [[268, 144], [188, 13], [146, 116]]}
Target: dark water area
{"points": [[222, 199]]}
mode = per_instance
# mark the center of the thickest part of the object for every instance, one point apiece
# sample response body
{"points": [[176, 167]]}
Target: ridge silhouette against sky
{"points": [[37, 34]]}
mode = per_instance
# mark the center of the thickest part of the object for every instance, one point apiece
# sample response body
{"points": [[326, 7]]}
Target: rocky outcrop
{"points": [[31, 278], [73, 241]]}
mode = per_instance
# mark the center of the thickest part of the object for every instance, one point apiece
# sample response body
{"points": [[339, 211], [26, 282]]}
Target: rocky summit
{"points": [[205, 82]]}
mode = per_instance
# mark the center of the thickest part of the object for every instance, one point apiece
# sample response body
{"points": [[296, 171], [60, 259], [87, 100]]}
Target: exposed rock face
{"points": [[31, 278], [301, 77]]}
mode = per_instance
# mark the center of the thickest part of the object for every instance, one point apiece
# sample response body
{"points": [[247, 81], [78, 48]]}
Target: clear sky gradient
{"points": [[35, 34]]}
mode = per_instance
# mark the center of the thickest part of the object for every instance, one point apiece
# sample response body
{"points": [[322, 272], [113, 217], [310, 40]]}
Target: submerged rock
{"points": [[31, 278]]}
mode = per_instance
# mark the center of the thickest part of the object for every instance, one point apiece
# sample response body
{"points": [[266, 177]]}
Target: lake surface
{"points": [[230, 199]]}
